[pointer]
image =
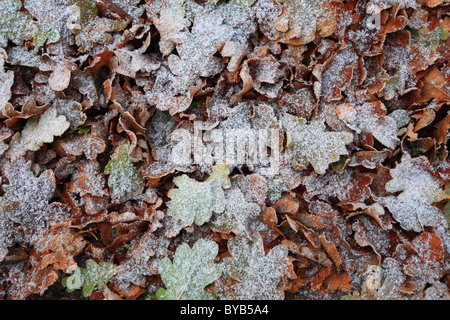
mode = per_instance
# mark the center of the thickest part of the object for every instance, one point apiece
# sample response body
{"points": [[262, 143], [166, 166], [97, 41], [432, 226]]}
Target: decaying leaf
{"points": [[418, 190]]}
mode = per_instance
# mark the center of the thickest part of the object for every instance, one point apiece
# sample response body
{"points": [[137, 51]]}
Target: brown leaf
{"points": [[331, 250], [338, 281], [90, 144], [59, 248]]}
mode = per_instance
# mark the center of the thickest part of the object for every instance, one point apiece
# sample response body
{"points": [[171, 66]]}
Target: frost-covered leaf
{"points": [[169, 92], [95, 275], [337, 73], [313, 144], [72, 110], [143, 260], [415, 214], [27, 198], [133, 60], [14, 24], [47, 34], [8, 233], [195, 201], [237, 215], [246, 124], [88, 179], [266, 72], [215, 28], [429, 40], [7, 80], [89, 142], [124, 179], [413, 208], [421, 259], [296, 21], [371, 118], [51, 16], [250, 274], [195, 57], [93, 30], [162, 132], [130, 7], [59, 247], [393, 85], [20, 55], [368, 233], [37, 131], [190, 272], [170, 24], [26, 281], [413, 179], [348, 186], [375, 6]]}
